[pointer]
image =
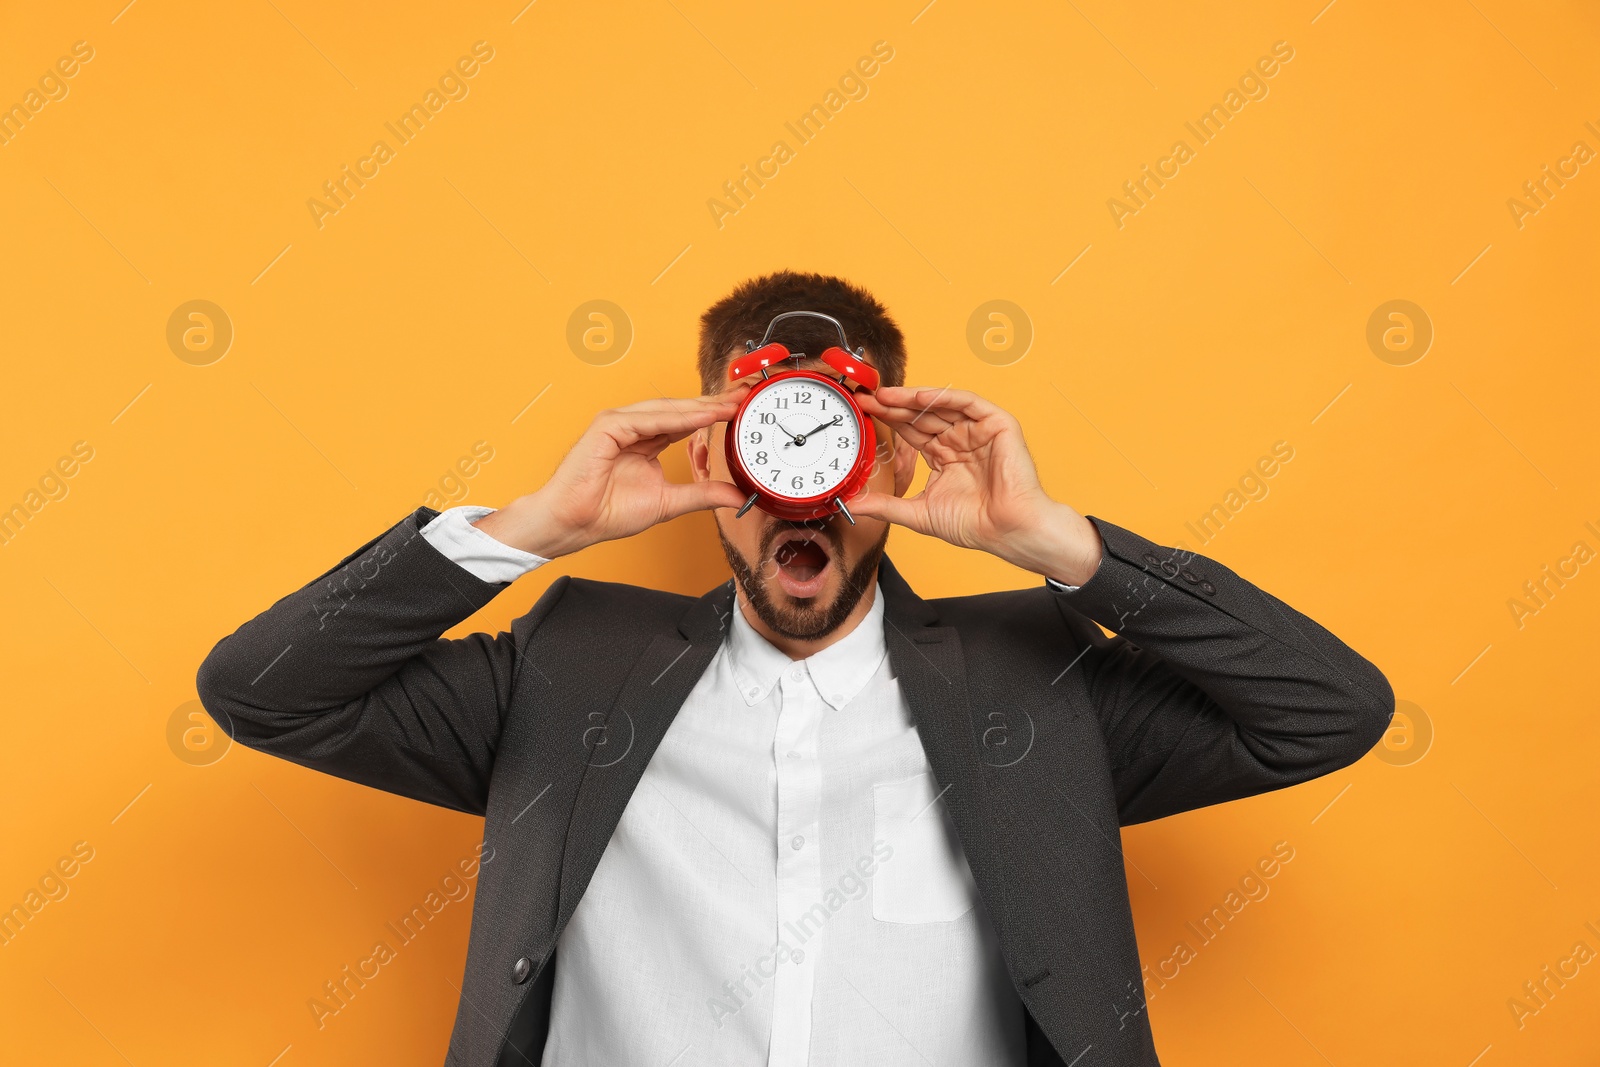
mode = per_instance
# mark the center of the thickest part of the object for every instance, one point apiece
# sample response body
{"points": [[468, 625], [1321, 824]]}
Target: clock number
{"points": [[774, 473], [796, 482], [805, 398], [768, 418], [844, 442], [818, 478], [834, 464], [780, 402], [824, 403], [761, 459], [755, 437]]}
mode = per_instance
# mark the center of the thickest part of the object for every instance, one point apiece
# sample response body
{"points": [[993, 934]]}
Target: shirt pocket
{"points": [[926, 878]]}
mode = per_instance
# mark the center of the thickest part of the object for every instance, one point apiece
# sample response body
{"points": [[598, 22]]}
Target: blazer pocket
{"points": [[926, 878]]}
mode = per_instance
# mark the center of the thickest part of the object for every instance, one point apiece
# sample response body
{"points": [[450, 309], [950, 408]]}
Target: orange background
{"points": [[370, 354]]}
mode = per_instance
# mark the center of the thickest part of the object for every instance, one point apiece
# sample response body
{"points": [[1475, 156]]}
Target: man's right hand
{"points": [[611, 484]]}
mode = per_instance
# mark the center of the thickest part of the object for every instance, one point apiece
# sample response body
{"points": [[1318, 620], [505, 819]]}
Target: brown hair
{"points": [[743, 315]]}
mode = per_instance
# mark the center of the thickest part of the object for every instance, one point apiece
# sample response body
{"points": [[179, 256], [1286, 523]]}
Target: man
{"points": [[808, 817]]}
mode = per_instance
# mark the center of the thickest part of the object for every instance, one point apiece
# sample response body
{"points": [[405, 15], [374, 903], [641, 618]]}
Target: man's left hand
{"points": [[983, 490]]}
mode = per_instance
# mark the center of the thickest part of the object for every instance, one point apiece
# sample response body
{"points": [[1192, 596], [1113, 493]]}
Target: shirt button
{"points": [[798, 843], [798, 955], [754, 693], [797, 675]]}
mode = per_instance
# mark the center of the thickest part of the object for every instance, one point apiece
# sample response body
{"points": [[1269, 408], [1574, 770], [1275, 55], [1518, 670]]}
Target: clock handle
{"points": [[748, 504], [838, 502]]}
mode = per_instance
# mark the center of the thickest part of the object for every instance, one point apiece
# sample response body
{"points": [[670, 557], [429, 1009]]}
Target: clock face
{"points": [[798, 437]]}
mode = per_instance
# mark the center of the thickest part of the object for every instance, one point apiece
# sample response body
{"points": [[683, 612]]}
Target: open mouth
{"points": [[802, 564]]}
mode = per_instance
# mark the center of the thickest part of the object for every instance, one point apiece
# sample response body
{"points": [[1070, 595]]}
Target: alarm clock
{"points": [[799, 445]]}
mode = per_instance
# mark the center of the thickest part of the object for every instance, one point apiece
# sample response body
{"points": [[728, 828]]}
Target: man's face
{"points": [[803, 579]]}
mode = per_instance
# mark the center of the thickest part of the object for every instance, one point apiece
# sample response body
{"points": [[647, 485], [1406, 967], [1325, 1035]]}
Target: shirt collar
{"points": [[839, 671]]}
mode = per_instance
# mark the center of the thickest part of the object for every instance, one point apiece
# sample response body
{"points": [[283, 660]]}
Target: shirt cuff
{"points": [[1063, 587], [480, 555]]}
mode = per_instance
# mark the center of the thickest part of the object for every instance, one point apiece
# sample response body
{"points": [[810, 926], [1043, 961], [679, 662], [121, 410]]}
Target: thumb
{"points": [[891, 508], [682, 498]]}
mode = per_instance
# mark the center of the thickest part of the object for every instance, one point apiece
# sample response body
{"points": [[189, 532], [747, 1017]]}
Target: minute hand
{"points": [[801, 439]]}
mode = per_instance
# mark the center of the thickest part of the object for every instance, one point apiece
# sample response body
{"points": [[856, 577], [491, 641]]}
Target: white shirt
{"points": [[785, 885]]}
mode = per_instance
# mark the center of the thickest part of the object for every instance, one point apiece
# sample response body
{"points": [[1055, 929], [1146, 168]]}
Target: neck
{"points": [[804, 647]]}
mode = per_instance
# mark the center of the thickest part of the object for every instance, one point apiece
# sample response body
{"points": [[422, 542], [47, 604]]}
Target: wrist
{"points": [[527, 524], [1060, 544]]}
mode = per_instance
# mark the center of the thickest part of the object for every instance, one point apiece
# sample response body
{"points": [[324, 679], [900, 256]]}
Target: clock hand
{"points": [[793, 438], [822, 426]]}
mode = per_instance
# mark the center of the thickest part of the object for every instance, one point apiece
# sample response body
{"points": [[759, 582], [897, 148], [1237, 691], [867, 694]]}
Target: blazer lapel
{"points": [[928, 663], [621, 747]]}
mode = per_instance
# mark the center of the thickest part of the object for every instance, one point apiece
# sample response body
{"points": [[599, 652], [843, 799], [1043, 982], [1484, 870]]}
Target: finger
{"points": [[734, 392], [913, 436], [667, 403], [907, 403], [931, 420], [901, 413], [890, 508], [926, 421], [932, 423], [952, 405], [910, 434], [884, 406], [649, 447], [924, 433], [628, 426], [731, 394], [958, 401], [682, 498]]}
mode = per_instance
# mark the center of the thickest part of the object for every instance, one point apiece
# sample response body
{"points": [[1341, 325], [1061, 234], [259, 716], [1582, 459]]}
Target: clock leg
{"points": [[838, 502], [748, 504]]}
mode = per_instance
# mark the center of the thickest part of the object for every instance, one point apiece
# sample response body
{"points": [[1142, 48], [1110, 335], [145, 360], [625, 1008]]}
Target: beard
{"points": [[802, 619]]}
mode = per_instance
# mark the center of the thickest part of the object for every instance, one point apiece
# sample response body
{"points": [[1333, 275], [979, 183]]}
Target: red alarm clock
{"points": [[799, 445]]}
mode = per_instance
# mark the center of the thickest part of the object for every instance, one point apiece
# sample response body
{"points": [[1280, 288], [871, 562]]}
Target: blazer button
{"points": [[521, 970], [1152, 559], [1207, 588], [1190, 576]]}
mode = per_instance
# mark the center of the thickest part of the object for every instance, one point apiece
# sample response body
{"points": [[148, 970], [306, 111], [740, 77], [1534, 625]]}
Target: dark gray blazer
{"points": [[1044, 734]]}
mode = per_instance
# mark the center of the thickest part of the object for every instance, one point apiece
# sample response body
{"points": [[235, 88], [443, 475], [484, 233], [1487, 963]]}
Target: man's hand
{"points": [[983, 491], [611, 484]]}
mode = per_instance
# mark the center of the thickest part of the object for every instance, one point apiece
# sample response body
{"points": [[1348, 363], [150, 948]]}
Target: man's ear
{"points": [[905, 465], [700, 454]]}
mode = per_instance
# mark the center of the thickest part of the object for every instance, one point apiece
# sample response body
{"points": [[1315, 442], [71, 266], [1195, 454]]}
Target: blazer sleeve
{"points": [[1212, 689], [349, 675]]}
